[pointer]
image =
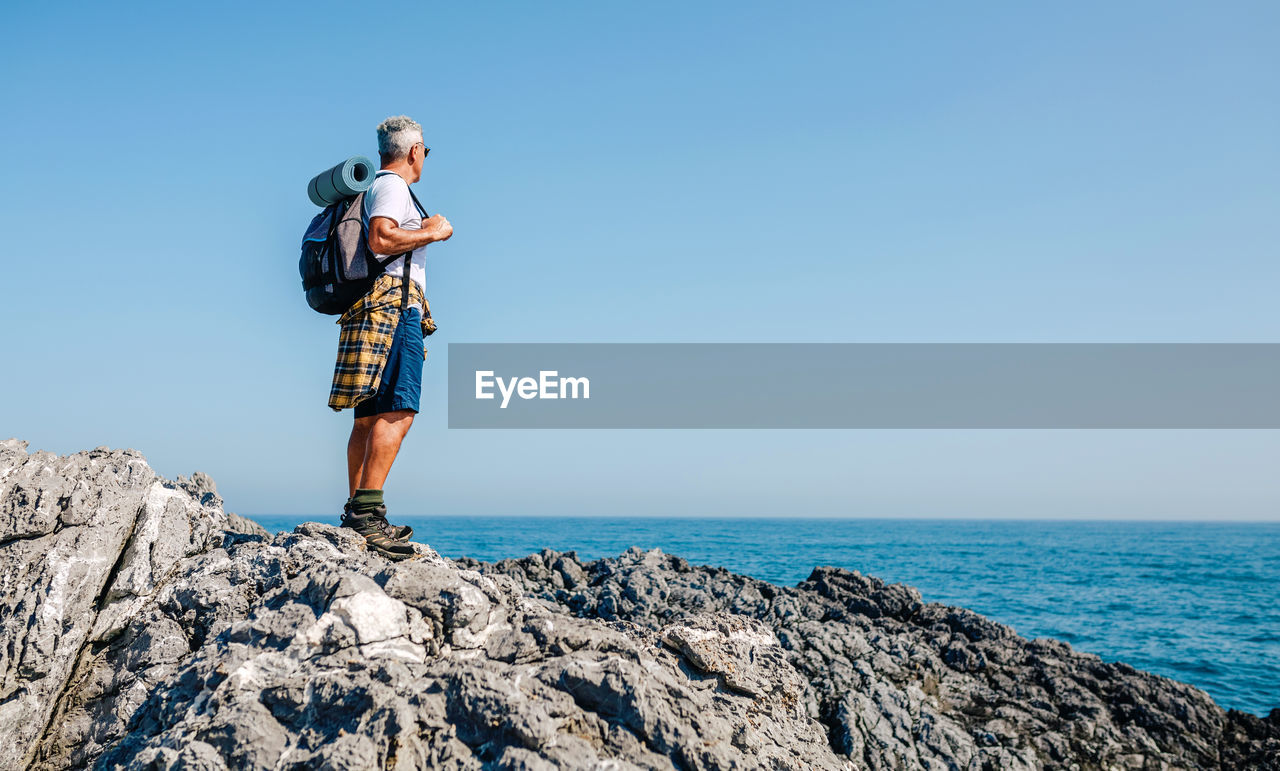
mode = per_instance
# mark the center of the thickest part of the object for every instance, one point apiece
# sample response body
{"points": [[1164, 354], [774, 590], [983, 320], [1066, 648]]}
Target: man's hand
{"points": [[439, 226]]}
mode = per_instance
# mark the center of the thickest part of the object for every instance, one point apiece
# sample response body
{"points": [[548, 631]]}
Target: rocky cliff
{"points": [[143, 627]]}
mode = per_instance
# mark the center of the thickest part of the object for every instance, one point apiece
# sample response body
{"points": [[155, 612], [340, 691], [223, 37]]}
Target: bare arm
{"points": [[386, 237]]}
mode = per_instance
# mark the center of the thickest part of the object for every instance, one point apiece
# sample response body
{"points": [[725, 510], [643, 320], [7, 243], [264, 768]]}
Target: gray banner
{"points": [[864, 385]]}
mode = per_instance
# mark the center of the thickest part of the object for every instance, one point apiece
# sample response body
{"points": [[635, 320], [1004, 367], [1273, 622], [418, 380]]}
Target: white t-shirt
{"points": [[389, 197]]}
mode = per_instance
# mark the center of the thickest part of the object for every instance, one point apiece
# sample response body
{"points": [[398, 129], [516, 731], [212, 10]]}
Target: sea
{"points": [[1198, 602]]}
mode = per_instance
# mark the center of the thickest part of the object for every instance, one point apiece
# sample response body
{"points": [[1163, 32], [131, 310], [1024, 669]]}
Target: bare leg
{"points": [[355, 450], [385, 435]]}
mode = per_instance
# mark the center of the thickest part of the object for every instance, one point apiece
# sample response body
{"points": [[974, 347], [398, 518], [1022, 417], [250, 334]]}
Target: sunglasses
{"points": [[425, 150]]}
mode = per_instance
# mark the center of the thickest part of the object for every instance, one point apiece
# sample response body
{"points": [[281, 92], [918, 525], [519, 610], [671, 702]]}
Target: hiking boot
{"points": [[375, 537], [398, 532]]}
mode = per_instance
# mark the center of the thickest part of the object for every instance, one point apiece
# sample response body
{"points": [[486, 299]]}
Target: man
{"points": [[380, 347]]}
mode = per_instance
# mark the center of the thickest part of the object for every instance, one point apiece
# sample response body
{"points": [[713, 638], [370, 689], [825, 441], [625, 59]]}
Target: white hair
{"points": [[396, 135]]}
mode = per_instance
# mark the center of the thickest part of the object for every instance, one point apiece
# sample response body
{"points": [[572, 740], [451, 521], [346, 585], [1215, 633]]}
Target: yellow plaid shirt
{"points": [[364, 341]]}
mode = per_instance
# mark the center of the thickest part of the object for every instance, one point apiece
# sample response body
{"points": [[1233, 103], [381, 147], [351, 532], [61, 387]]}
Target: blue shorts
{"points": [[401, 386]]}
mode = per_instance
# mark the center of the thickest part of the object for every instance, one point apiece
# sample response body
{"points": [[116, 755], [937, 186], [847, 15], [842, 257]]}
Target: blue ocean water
{"points": [[1198, 602]]}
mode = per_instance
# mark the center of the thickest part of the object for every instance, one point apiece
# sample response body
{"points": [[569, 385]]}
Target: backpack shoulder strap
{"points": [[422, 212], [408, 256], [421, 209]]}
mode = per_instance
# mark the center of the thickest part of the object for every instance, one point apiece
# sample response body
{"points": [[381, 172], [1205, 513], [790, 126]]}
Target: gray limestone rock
{"points": [[85, 542], [143, 628], [245, 526]]}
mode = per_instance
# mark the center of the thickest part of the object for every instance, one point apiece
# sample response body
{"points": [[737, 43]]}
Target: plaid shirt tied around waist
{"points": [[368, 328]]}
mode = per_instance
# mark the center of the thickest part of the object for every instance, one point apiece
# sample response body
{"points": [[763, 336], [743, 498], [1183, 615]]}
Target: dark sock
{"points": [[365, 501]]}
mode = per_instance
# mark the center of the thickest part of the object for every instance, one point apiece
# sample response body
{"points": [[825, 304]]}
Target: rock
{"points": [[85, 542], [143, 627], [898, 683], [245, 526]]}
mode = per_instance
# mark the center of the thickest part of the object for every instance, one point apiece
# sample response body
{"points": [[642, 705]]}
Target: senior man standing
{"points": [[380, 347]]}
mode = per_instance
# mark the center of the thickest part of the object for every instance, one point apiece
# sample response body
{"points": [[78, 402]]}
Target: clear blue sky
{"points": [[654, 172]]}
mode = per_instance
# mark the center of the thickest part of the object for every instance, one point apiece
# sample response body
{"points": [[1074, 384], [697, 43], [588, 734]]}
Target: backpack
{"points": [[336, 266]]}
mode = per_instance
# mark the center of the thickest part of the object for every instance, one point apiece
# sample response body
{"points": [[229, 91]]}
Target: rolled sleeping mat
{"points": [[352, 176]]}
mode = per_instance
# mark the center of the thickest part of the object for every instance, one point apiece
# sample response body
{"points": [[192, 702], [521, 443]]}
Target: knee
{"points": [[361, 427], [392, 424], [402, 424], [402, 420]]}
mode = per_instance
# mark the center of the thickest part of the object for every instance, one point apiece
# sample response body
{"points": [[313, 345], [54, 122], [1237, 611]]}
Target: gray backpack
{"points": [[337, 267]]}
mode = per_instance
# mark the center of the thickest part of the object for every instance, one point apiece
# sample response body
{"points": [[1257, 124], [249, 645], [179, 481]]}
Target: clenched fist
{"points": [[439, 227]]}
